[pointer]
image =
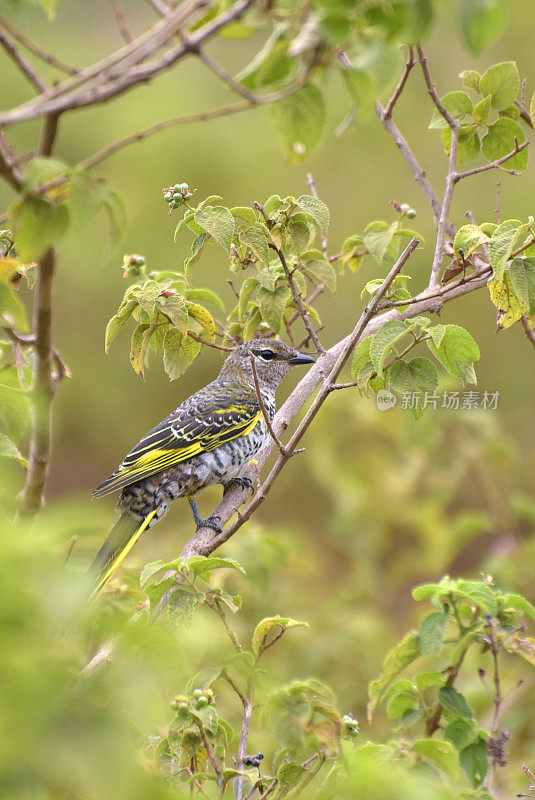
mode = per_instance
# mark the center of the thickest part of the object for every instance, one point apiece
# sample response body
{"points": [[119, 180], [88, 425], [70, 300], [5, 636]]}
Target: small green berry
{"points": [[168, 196], [184, 186], [140, 261], [405, 207], [197, 693], [201, 702], [411, 213]]}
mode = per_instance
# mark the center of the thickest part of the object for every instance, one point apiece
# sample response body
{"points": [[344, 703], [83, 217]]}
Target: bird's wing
{"points": [[205, 421]]}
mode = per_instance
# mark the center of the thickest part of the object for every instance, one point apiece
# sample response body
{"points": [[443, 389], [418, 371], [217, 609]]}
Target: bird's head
{"points": [[272, 360]]}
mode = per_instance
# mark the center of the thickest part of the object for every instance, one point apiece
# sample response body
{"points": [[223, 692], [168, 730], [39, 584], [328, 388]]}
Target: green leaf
{"points": [[179, 352], [519, 603], [500, 140], [509, 306], [469, 143], [246, 290], [203, 565], [271, 627], [117, 321], [149, 570], [501, 245], [299, 121], [115, 208], [401, 655], [427, 679], [475, 762], [316, 209], [457, 352], [320, 269], [482, 22], [502, 82], [468, 239], [431, 633], [440, 753], [417, 375], [271, 64], [399, 703], [482, 110], [10, 450], [461, 733], [219, 223], [11, 309], [272, 305], [245, 213], [451, 699], [478, 592], [38, 225], [362, 365], [459, 106], [41, 170], [174, 307], [182, 223], [470, 78], [289, 775], [362, 90], [383, 341], [15, 408], [138, 348], [255, 238], [197, 247], [204, 294], [203, 317], [378, 237]]}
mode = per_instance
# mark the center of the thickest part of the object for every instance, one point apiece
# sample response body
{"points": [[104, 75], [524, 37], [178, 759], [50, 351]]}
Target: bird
{"points": [[205, 441]]}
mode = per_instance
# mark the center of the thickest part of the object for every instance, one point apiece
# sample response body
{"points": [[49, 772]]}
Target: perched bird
{"points": [[206, 440]]}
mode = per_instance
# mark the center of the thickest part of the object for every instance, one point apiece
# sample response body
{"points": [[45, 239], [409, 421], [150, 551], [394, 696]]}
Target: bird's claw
{"points": [[243, 483], [211, 522]]}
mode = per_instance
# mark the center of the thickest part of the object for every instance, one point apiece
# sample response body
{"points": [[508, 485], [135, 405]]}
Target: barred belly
{"points": [[216, 466]]}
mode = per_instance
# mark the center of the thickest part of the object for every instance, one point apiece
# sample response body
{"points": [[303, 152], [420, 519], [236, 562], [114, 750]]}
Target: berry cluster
{"points": [[350, 725], [199, 699], [406, 209], [133, 265], [176, 195], [253, 761]]}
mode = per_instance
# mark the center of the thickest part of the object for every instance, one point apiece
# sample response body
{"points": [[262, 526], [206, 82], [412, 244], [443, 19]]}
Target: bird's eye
{"points": [[267, 355]]}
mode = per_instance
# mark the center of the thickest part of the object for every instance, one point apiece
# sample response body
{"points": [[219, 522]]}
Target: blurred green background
{"points": [[378, 502]]}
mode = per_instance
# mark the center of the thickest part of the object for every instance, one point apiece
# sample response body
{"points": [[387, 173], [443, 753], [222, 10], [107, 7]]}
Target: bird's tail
{"points": [[122, 537]]}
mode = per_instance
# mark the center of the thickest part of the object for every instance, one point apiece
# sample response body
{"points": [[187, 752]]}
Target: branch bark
{"points": [[30, 499]]}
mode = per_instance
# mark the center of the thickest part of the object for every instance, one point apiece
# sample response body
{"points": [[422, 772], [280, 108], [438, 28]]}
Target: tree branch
{"points": [[123, 69], [122, 23], [325, 371], [264, 410], [30, 499], [8, 166], [38, 51], [24, 66], [530, 333], [499, 161], [409, 64]]}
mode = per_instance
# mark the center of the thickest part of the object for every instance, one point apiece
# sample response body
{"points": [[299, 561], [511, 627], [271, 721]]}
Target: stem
{"points": [[30, 499], [265, 414]]}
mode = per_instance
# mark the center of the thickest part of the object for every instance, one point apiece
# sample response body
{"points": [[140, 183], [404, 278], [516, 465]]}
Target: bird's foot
{"points": [[210, 522], [243, 483]]}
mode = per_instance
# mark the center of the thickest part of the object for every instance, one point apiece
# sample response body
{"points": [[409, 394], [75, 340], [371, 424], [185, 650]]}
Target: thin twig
{"points": [[326, 370], [31, 497], [37, 50], [210, 753], [263, 408], [242, 747], [48, 134], [216, 606], [409, 64], [517, 149], [453, 123], [226, 77], [450, 177], [8, 166], [417, 170], [530, 333], [215, 345], [24, 66], [297, 297], [122, 23]]}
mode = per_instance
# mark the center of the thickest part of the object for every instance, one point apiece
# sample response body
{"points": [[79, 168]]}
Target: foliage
{"points": [[172, 713]]}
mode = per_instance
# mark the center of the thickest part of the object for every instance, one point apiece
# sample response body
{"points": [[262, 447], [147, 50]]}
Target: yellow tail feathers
{"points": [[111, 555]]}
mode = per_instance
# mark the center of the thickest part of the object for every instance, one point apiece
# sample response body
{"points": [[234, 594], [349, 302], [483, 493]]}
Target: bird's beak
{"points": [[301, 359]]}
